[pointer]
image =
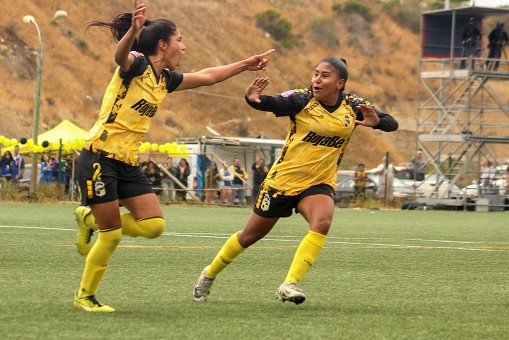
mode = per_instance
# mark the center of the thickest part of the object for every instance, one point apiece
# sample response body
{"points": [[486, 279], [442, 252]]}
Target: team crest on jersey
{"points": [[99, 189], [265, 203]]}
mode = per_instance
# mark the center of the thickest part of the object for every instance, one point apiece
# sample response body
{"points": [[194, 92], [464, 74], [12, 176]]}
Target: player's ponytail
{"points": [[152, 32], [118, 27]]}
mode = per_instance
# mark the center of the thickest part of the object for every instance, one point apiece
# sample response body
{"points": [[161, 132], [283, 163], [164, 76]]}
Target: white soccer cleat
{"points": [[202, 287], [289, 291]]}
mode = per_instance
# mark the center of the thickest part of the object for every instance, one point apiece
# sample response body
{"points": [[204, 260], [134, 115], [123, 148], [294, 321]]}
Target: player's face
{"points": [[174, 51], [326, 84]]}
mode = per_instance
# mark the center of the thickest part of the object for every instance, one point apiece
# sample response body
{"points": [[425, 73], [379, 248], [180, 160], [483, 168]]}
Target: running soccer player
{"points": [[109, 175], [322, 120]]}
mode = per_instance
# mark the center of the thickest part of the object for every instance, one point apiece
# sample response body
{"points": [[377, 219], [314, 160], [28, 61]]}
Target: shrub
{"points": [[408, 16], [324, 32], [357, 7], [279, 28]]}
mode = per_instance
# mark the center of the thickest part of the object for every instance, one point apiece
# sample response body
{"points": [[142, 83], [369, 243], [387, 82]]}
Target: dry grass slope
{"points": [[78, 66]]}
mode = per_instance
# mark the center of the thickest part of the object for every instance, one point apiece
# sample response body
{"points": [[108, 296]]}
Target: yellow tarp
{"points": [[66, 131]]}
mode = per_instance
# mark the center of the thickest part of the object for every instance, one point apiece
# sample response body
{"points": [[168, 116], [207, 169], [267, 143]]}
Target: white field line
{"points": [[482, 246]]}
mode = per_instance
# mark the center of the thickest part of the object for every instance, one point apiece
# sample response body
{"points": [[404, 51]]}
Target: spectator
{"points": [[153, 176], [359, 177], [496, 41], [488, 173], [46, 169], [7, 167], [239, 181], [182, 172], [470, 40], [226, 184], [419, 165], [505, 184], [211, 178], [167, 183], [385, 173], [19, 164], [260, 171]]}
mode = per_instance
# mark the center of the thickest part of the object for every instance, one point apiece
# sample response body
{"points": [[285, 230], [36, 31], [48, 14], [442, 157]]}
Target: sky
{"points": [[491, 3]]}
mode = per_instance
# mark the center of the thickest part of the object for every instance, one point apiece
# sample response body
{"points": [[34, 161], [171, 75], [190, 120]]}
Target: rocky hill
{"points": [[382, 58]]}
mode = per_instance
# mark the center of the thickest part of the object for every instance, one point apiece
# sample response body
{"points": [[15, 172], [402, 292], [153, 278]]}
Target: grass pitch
{"points": [[382, 275]]}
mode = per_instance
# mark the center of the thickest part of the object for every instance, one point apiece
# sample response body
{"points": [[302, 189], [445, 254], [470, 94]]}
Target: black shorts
{"points": [[271, 204], [102, 179]]}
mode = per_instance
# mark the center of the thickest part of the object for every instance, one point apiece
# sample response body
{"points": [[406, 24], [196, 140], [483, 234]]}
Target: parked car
{"points": [[345, 184], [24, 183], [428, 186]]}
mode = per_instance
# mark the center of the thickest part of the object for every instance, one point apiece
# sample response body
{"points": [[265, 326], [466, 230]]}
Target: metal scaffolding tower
{"points": [[462, 113]]}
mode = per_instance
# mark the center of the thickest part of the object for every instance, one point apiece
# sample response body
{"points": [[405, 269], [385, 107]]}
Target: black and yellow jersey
{"points": [[316, 140], [131, 100]]}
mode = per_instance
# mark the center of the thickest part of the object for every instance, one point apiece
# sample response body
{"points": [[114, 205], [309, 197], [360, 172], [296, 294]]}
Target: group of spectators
{"points": [[162, 180], [12, 166], [471, 42], [231, 182], [223, 186]]}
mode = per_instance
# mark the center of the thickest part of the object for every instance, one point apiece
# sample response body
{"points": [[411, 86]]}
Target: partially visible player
{"points": [[322, 120], [109, 175]]}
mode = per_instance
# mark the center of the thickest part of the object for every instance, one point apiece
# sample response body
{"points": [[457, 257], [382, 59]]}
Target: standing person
{"points": [[154, 176], [419, 165], [470, 39], [19, 164], [7, 166], [182, 172], [147, 54], [359, 177], [167, 183], [260, 171], [211, 179], [322, 120], [385, 174], [488, 174], [239, 181], [46, 169], [226, 184], [496, 41]]}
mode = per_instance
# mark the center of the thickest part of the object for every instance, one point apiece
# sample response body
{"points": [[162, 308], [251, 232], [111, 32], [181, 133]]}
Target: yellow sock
{"points": [[230, 250], [97, 261], [305, 256], [151, 227]]}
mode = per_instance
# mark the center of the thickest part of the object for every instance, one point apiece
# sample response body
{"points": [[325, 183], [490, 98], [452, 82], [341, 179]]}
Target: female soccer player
{"points": [[147, 54], [322, 120]]}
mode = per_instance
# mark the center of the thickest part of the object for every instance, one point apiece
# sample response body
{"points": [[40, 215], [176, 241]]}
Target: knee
{"points": [[322, 225], [153, 226]]}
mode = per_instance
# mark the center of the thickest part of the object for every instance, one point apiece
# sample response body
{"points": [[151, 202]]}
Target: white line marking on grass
{"points": [[330, 241]]}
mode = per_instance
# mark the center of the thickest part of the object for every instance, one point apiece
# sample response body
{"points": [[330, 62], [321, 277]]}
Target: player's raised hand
{"points": [[258, 62], [256, 88], [370, 117], [139, 15]]}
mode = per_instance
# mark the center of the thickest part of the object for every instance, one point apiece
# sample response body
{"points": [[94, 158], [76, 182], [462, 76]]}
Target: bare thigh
{"points": [[318, 211], [255, 229]]}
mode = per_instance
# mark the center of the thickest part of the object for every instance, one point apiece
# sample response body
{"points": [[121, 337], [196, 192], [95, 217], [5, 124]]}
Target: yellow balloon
{"points": [[142, 149], [7, 142], [2, 139], [162, 148], [14, 141], [154, 147], [55, 146], [30, 144]]}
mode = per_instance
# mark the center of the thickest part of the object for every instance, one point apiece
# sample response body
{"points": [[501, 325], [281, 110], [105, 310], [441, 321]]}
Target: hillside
{"points": [[382, 60]]}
